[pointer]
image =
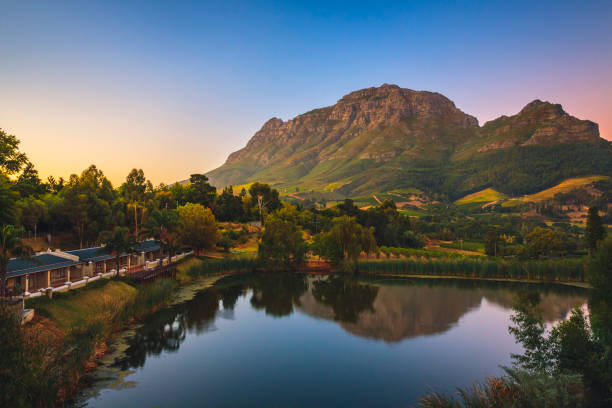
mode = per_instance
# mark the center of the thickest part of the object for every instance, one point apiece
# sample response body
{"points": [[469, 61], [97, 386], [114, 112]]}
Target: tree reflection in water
{"points": [[278, 293], [166, 329], [347, 297]]}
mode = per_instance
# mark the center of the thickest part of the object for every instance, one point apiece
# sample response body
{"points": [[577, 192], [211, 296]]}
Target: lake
{"points": [[289, 340]]}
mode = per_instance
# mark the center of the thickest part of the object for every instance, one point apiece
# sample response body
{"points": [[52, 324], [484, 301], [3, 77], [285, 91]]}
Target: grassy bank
{"points": [[72, 328], [569, 270]]}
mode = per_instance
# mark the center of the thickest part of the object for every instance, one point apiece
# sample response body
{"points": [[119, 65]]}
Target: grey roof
{"points": [[99, 254], [149, 245], [91, 254], [38, 263]]}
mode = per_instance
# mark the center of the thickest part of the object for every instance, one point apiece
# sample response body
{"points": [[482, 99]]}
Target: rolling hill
{"points": [[387, 138]]}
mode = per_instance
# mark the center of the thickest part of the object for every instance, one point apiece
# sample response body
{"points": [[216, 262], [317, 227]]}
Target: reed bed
{"points": [[213, 267], [571, 270]]}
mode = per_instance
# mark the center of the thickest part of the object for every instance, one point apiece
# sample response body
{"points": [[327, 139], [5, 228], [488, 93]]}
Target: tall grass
{"points": [[219, 266], [89, 316], [547, 270]]}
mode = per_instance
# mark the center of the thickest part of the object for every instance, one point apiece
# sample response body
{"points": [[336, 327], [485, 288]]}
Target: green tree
{"points": [[88, 201], [282, 244], [8, 198], [28, 183], [595, 231], [491, 242], [10, 245], [201, 191], [229, 207], [344, 242], [543, 241], [163, 225], [31, 212], [198, 228], [264, 198], [11, 159], [134, 191], [118, 241]]}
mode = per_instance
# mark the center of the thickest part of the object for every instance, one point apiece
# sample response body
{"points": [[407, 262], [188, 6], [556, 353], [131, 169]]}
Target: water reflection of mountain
{"points": [[413, 308]]}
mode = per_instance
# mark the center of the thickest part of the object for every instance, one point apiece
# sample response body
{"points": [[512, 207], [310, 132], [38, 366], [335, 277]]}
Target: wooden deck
{"points": [[149, 275]]}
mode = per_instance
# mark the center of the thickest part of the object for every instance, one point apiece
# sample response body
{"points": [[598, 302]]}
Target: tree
{"points": [[491, 242], [87, 201], [118, 241], [201, 191], [11, 159], [344, 242], [133, 190], [265, 198], [163, 225], [542, 241], [31, 212], [28, 183], [282, 244], [595, 231], [10, 245], [8, 197], [229, 207], [198, 227]]}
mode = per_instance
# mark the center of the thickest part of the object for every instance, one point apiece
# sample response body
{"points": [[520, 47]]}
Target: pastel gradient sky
{"points": [[174, 87]]}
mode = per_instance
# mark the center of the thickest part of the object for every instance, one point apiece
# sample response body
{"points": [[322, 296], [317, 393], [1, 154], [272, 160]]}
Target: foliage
{"points": [[118, 241], [198, 227], [8, 197], [27, 379], [201, 192], [163, 226], [344, 242], [517, 389], [282, 244], [595, 231], [11, 159], [10, 245]]}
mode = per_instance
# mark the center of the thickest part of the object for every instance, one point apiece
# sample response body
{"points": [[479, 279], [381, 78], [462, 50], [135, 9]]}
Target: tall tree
{"points": [[28, 183], [198, 228], [344, 242], [8, 198], [282, 244], [134, 192], [595, 231], [10, 245], [117, 242], [11, 159], [201, 192], [162, 225], [265, 198]]}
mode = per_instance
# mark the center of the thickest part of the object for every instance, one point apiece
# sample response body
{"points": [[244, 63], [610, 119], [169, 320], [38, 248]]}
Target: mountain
{"points": [[391, 139]]}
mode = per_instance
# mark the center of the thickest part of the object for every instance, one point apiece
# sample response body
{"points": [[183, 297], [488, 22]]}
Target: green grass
{"points": [[563, 187], [484, 196]]}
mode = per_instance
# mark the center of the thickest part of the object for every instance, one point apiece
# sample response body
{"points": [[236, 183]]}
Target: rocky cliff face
{"points": [[322, 133], [538, 123], [367, 140]]}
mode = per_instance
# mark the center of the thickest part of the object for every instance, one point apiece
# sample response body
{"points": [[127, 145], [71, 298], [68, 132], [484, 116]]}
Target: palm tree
{"points": [[118, 241], [162, 226], [10, 245]]}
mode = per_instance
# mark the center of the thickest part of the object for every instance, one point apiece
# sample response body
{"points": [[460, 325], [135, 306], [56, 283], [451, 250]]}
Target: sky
{"points": [[174, 87]]}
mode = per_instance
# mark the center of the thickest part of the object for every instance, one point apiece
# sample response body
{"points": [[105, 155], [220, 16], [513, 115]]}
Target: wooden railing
{"points": [[146, 275]]}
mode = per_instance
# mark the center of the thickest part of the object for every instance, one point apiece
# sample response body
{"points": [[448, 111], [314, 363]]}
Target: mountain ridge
{"points": [[390, 137]]}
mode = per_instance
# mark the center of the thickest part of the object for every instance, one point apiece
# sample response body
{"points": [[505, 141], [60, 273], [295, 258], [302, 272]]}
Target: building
{"points": [[56, 269]]}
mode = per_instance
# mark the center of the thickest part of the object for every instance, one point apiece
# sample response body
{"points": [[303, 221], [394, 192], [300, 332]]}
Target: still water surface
{"points": [[297, 341]]}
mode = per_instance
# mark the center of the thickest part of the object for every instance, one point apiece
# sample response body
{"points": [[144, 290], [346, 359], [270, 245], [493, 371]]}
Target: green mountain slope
{"points": [[389, 138]]}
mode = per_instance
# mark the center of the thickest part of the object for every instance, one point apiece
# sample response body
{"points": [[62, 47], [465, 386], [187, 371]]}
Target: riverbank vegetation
{"points": [[44, 361], [567, 366]]}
